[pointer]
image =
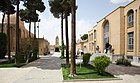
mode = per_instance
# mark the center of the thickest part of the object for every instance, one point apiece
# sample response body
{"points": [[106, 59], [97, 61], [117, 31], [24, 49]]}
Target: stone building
{"points": [[44, 46], [57, 46], [23, 33], [121, 29]]}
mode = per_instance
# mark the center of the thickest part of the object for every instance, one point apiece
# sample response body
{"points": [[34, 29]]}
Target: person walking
{"points": [[107, 47], [97, 49]]}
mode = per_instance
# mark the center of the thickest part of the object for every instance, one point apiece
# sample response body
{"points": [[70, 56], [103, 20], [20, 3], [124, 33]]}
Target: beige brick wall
{"points": [[135, 7], [114, 31], [24, 33], [118, 30]]}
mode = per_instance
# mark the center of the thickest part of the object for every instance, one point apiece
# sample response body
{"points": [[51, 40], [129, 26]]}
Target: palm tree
{"points": [[30, 15], [67, 11], [58, 7], [2, 9], [73, 39], [10, 10], [25, 16], [34, 5], [17, 33], [7, 8], [57, 10]]}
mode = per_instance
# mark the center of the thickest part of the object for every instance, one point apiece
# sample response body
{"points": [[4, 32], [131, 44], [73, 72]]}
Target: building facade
{"points": [[121, 29], [44, 46], [23, 34], [57, 46]]}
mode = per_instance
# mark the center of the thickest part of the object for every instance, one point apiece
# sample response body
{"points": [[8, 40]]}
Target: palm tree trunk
{"points": [[73, 40], [8, 33], [62, 39], [30, 29], [17, 33], [67, 39], [29, 55], [2, 22], [34, 30]]}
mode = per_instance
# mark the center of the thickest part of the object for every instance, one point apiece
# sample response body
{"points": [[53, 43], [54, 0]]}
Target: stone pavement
{"points": [[47, 70]]}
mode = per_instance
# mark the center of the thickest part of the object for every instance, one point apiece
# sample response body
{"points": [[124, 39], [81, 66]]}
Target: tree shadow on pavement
{"points": [[48, 63]]}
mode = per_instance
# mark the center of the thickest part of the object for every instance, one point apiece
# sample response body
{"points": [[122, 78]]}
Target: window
{"points": [[89, 37], [130, 41], [106, 32], [94, 34], [130, 18]]}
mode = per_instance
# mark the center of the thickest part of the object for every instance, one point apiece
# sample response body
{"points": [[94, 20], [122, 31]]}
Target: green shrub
{"points": [[3, 45], [86, 58], [100, 63], [20, 58], [123, 61], [35, 49], [24, 50]]}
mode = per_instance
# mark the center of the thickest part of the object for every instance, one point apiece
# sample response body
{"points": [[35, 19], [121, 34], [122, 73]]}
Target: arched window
{"points": [[106, 32], [130, 18]]}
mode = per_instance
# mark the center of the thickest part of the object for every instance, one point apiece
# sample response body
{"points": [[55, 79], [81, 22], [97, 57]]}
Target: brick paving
{"points": [[121, 70]]}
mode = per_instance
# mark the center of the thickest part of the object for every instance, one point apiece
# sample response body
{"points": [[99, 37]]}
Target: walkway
{"points": [[47, 70]]}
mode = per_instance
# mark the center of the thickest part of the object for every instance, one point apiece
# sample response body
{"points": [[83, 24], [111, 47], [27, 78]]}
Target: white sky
{"points": [[88, 13]]}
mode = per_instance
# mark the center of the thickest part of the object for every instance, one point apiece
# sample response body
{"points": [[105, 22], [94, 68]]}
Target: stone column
{"points": [[135, 36], [125, 25]]}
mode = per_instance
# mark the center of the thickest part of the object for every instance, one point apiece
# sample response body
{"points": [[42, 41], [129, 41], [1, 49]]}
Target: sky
{"points": [[89, 12]]}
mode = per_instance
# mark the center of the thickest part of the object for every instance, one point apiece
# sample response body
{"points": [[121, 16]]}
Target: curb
{"points": [[102, 79]]}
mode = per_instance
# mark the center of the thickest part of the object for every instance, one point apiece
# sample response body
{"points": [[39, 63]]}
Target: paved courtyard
{"points": [[47, 70]]}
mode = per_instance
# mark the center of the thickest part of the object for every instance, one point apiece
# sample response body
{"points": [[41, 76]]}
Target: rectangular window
{"points": [[95, 34], [92, 36], [130, 20], [130, 41]]}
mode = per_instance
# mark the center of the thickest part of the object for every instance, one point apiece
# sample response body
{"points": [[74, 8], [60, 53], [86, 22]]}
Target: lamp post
{"points": [[38, 35]]}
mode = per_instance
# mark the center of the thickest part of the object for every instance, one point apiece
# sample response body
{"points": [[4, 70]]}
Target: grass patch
{"points": [[85, 72], [7, 65]]}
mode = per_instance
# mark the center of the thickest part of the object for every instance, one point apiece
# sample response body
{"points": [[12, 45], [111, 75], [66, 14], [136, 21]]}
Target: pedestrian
{"points": [[97, 49], [107, 47], [77, 52]]}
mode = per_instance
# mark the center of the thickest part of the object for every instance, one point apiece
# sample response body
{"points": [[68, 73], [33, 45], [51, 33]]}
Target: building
{"points": [[121, 29], [44, 46], [56, 47], [23, 34]]}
